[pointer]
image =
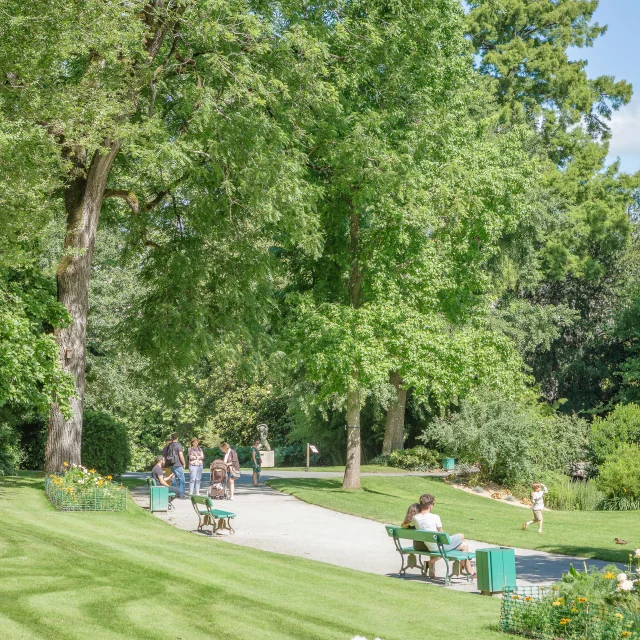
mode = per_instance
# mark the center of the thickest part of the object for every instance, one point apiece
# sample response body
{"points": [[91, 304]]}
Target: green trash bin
{"points": [[159, 498], [496, 569], [448, 464]]}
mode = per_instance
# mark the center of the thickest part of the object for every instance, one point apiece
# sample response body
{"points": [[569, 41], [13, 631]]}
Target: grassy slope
{"points": [[589, 534], [129, 576]]}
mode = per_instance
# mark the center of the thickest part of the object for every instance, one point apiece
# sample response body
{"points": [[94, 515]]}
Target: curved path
{"points": [[274, 521]]}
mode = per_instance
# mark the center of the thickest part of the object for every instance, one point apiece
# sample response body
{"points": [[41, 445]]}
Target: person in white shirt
{"points": [[537, 498], [427, 521]]}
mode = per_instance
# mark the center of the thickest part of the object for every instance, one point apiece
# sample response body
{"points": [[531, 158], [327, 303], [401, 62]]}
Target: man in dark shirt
{"points": [[157, 473], [174, 457]]}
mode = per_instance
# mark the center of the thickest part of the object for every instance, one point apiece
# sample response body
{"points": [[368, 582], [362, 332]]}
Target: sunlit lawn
{"points": [[590, 534], [127, 576]]}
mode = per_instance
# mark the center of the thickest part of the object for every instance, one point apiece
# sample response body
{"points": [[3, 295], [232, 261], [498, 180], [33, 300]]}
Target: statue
{"points": [[263, 430]]}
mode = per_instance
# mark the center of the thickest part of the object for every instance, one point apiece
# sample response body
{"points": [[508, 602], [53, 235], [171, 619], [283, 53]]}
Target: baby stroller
{"points": [[218, 487]]}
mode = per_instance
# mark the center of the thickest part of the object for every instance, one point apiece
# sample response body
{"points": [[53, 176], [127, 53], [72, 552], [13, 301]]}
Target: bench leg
{"points": [[456, 567]]}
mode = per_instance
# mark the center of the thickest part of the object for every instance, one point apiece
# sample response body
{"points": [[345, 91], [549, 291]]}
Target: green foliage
{"points": [[619, 503], [524, 49], [510, 440], [29, 374], [105, 443], [621, 426], [565, 495], [619, 475], [10, 454], [415, 459]]}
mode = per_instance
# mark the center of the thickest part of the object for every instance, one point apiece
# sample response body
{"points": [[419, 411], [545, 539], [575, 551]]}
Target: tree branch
{"points": [[128, 196]]}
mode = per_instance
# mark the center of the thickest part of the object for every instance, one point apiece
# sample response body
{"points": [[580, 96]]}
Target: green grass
{"points": [[130, 576], [582, 533], [365, 468]]}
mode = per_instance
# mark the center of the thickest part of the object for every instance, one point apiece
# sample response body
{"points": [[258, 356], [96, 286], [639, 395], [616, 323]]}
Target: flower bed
{"points": [[81, 489], [539, 612]]}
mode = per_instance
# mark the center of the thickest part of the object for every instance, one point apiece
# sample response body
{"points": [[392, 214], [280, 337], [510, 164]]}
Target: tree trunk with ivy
{"points": [[84, 195]]}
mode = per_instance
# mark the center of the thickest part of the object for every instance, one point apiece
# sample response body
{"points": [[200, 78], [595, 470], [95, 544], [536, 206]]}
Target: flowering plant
{"points": [[82, 489]]}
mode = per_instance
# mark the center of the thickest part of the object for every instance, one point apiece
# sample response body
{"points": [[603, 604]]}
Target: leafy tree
{"points": [[191, 114], [417, 188], [621, 426], [523, 46]]}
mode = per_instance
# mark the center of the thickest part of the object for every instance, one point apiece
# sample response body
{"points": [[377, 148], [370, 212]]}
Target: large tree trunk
{"points": [[352, 470], [84, 194], [394, 429]]}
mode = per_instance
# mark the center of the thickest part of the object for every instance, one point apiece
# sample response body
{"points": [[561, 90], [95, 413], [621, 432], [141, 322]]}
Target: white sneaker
{"points": [[231, 498]]}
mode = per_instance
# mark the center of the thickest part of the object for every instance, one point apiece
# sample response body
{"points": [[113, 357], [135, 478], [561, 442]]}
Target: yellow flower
{"points": [[619, 616], [66, 464], [626, 634], [528, 599], [565, 620], [515, 597], [609, 575], [556, 603], [574, 610], [109, 477], [92, 470], [582, 599]]}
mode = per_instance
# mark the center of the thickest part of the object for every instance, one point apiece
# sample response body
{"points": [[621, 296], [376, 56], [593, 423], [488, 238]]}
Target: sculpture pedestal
{"points": [[268, 459]]}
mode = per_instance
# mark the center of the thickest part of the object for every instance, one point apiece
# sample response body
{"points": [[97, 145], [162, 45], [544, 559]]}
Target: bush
{"points": [[512, 442], [620, 474], [105, 445], [381, 460], [416, 459], [9, 450], [621, 426]]}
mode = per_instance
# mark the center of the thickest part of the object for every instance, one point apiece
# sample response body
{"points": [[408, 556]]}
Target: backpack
{"points": [[172, 454]]}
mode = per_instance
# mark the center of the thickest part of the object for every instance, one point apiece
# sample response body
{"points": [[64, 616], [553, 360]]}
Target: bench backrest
{"points": [[201, 503], [152, 482], [423, 536]]}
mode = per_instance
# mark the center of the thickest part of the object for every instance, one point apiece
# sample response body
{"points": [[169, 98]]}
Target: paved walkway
{"points": [[273, 521]]}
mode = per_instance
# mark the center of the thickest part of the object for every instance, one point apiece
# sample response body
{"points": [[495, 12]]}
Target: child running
{"points": [[537, 497]]}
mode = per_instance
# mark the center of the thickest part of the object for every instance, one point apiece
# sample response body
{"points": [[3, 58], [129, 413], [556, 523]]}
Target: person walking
{"points": [[233, 466], [174, 457], [196, 460], [256, 462]]}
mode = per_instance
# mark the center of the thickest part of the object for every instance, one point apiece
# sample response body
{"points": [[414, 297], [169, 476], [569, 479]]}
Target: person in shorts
{"points": [[537, 498], [428, 521]]}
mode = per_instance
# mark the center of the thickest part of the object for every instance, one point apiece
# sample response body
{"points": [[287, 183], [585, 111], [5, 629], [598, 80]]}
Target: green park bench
{"points": [[208, 516], [172, 495], [456, 557]]}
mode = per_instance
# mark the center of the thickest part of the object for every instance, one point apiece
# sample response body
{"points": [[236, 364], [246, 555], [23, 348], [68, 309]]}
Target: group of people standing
{"points": [[170, 466], [169, 469]]}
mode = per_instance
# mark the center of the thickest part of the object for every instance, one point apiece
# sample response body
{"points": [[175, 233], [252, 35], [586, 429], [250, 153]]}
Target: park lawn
{"points": [[588, 534], [129, 575], [365, 468]]}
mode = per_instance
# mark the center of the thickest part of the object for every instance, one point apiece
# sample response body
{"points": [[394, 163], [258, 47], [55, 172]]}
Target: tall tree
{"points": [[417, 188], [187, 112]]}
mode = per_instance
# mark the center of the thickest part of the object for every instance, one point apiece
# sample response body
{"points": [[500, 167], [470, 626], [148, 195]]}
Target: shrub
{"points": [[621, 426], [512, 442], [9, 450], [105, 445], [291, 455], [620, 474], [382, 460], [619, 503], [491, 432], [416, 459]]}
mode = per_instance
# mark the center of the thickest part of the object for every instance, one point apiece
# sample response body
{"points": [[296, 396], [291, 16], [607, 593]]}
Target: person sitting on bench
{"points": [[157, 473], [427, 521]]}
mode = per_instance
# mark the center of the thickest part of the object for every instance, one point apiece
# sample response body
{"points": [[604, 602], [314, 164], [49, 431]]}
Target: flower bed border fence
{"points": [[89, 499], [539, 612]]}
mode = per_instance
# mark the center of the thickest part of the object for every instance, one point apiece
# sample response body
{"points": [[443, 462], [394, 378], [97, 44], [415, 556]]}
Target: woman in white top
{"points": [[196, 460]]}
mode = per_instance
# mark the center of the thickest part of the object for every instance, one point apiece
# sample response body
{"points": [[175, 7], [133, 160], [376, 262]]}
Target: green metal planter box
{"points": [[159, 498], [496, 569], [448, 464]]}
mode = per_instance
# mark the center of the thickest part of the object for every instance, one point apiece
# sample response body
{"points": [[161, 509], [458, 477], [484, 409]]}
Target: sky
{"points": [[616, 53]]}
